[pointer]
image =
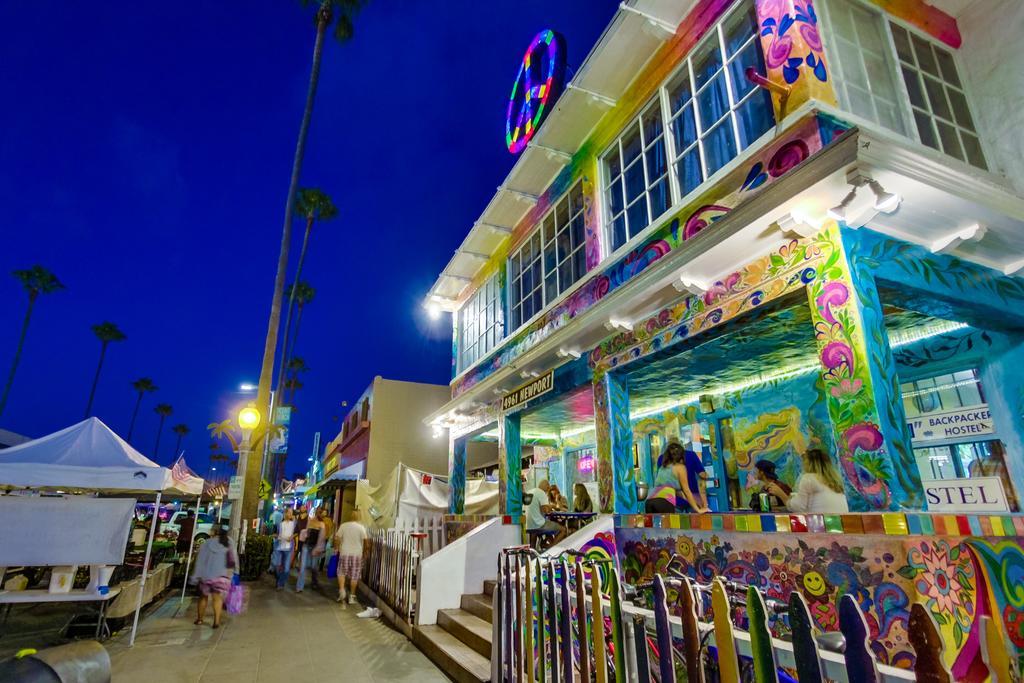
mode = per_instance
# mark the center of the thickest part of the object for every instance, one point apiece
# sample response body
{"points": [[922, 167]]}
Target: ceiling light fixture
{"points": [[616, 325], [886, 202]]}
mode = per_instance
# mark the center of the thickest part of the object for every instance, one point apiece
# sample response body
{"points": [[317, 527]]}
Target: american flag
{"points": [[180, 471]]}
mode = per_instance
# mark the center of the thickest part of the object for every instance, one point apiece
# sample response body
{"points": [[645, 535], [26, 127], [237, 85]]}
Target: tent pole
{"points": [[191, 544], [145, 568]]}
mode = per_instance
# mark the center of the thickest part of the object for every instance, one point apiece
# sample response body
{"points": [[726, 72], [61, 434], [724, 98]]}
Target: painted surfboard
{"points": [[691, 633], [528, 653], [927, 643], [597, 627], [643, 663], [805, 647], [519, 626], [860, 661], [498, 634], [508, 617], [541, 625], [728, 663], [552, 609], [566, 621], [581, 622], [663, 627], [618, 629], [993, 651], [761, 649]]}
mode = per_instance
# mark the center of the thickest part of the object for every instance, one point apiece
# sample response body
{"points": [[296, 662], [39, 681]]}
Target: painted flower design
{"points": [[846, 387], [943, 574], [938, 580]]}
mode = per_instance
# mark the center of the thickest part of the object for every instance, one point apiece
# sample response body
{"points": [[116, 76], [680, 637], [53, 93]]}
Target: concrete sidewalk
{"points": [[282, 636]]}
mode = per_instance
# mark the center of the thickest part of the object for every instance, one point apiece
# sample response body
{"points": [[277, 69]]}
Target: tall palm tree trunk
{"points": [[252, 474], [288, 319], [96, 379], [17, 352], [159, 430], [135, 414], [295, 335]]}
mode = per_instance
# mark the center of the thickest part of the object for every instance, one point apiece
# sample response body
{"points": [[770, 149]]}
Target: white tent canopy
{"points": [[88, 455]]}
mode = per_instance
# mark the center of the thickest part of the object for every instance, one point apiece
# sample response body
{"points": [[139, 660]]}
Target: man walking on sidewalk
{"points": [[350, 540]]}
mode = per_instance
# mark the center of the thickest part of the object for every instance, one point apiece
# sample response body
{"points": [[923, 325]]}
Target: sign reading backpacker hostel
{"points": [[951, 424], [532, 389]]}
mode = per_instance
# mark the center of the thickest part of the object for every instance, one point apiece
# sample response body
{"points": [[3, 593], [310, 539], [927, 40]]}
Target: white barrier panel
{"points": [[48, 531], [461, 568]]}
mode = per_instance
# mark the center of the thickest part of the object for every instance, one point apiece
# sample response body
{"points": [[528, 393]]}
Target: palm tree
{"points": [[344, 10], [36, 280], [181, 430], [142, 385], [313, 205], [164, 410], [304, 294], [106, 332]]}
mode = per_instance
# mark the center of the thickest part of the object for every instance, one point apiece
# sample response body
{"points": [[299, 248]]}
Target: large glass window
{"points": [[713, 112], [863, 68], [480, 323], [937, 97], [550, 261], [867, 52]]}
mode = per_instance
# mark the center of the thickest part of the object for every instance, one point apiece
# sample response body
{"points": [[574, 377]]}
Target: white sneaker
{"points": [[352, 599], [341, 595], [369, 613]]}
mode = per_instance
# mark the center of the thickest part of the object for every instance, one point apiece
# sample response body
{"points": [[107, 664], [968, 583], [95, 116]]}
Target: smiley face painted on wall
{"points": [[814, 584]]}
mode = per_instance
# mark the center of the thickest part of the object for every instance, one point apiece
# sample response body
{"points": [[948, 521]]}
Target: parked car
{"points": [[204, 525]]}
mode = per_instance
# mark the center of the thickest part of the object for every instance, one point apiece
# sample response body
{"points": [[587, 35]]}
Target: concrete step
{"points": [[459, 661], [470, 629], [479, 606], [489, 586]]}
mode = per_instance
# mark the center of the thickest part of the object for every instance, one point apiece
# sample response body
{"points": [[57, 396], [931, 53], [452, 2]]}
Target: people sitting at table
{"points": [[581, 501], [538, 509], [761, 477], [677, 483], [558, 501], [819, 488]]}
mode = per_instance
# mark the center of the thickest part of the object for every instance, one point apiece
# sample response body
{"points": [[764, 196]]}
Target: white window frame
{"points": [[895, 63], [672, 156], [540, 231], [478, 337]]}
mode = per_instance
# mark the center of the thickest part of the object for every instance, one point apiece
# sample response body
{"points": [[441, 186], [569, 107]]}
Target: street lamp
{"points": [[248, 420]]}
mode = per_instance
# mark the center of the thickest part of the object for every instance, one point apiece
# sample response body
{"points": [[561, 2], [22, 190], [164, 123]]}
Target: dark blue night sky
{"points": [[145, 151]]}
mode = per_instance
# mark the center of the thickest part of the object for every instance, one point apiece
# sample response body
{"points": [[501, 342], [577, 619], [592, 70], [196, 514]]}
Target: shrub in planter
{"points": [[257, 556]]}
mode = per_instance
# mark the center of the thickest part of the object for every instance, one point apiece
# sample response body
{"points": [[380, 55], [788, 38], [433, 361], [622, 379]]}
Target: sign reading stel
{"points": [[532, 389], [962, 423], [976, 494]]}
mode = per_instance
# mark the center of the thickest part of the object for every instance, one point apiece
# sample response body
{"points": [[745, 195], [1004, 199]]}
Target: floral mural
{"points": [[885, 574]]}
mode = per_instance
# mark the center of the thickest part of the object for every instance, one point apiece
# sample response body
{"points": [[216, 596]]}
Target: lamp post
{"points": [[248, 420]]}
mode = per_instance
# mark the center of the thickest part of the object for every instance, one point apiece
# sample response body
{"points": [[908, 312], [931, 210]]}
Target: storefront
{"points": [[830, 265]]}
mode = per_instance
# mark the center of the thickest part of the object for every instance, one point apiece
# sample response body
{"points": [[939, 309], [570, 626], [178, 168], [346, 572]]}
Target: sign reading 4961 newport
{"points": [[538, 84]]}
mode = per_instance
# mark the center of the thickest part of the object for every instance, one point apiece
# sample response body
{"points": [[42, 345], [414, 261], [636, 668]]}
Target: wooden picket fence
{"points": [[562, 619], [432, 527], [392, 567]]}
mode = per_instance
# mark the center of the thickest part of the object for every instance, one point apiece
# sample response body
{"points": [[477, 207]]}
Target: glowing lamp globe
{"points": [[248, 418]]}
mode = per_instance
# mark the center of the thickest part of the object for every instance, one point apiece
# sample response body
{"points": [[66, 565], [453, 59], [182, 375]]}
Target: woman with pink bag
{"points": [[216, 564]]}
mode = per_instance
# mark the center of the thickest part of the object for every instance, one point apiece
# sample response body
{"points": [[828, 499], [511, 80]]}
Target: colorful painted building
{"points": [[759, 227]]}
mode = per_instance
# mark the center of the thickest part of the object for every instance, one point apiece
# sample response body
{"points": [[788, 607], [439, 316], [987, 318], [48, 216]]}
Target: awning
{"points": [[330, 485]]}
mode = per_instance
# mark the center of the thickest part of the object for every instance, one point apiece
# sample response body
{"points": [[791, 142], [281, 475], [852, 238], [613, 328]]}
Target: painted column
{"points": [[862, 388], [510, 459], [614, 444], [646, 460], [1003, 380], [457, 476], [793, 53]]}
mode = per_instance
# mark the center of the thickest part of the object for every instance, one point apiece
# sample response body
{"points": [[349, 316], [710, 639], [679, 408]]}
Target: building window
{"points": [[944, 392], [637, 189], [713, 113], [864, 73], [937, 97], [480, 323], [550, 261]]}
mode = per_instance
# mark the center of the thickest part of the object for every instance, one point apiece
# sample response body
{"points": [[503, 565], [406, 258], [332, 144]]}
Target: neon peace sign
{"points": [[537, 86]]}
